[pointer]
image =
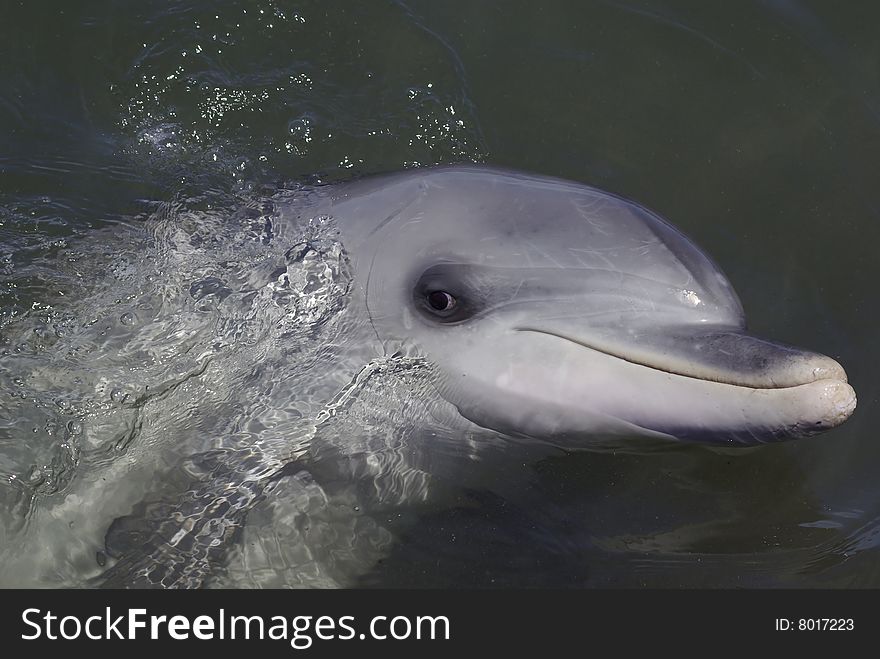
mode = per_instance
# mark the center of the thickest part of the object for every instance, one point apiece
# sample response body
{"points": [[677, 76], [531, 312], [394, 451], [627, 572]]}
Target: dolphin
{"points": [[560, 312], [545, 311]]}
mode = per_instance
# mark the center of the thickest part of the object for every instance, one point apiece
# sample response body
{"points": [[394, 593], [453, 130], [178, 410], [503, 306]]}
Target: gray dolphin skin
{"points": [[559, 312]]}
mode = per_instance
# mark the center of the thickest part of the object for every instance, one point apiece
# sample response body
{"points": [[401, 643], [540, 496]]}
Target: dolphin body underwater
{"points": [[541, 311]]}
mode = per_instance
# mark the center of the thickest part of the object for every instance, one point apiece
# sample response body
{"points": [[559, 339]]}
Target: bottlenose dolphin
{"points": [[550, 311], [542, 310], [561, 312]]}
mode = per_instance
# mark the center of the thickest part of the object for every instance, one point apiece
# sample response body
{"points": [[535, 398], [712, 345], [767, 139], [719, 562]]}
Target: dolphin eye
{"points": [[441, 301], [443, 294]]}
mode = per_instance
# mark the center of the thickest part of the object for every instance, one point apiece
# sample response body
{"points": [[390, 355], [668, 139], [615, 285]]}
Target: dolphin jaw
{"points": [[592, 390], [796, 367]]}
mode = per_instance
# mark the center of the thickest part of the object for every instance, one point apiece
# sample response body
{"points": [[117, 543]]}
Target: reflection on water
{"points": [[174, 359]]}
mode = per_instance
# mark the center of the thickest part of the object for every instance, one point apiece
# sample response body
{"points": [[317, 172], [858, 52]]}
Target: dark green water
{"points": [[753, 126]]}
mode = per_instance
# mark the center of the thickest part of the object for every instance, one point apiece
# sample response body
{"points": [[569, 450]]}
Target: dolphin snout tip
{"points": [[829, 369], [842, 399], [835, 403]]}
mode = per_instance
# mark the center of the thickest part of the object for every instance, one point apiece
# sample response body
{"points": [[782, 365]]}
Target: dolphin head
{"points": [[563, 313]]}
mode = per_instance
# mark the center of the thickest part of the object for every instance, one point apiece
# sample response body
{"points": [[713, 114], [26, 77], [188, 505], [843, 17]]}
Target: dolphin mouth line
{"points": [[670, 371]]}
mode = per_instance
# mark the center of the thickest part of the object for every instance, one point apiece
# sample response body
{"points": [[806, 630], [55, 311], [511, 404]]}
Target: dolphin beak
{"points": [[721, 383], [710, 385], [718, 354]]}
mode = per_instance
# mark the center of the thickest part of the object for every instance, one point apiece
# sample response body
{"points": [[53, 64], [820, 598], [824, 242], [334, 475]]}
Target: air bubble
{"points": [[74, 427], [127, 318]]}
